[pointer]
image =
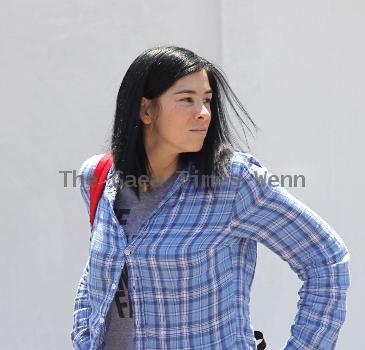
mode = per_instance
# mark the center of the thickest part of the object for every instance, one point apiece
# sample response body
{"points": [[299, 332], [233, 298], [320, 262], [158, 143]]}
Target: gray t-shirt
{"points": [[119, 319]]}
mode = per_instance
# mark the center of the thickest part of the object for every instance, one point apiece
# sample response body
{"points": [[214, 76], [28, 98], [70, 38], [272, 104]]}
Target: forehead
{"points": [[199, 80]]}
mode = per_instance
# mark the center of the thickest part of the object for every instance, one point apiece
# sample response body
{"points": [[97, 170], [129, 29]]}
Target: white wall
{"points": [[297, 67]]}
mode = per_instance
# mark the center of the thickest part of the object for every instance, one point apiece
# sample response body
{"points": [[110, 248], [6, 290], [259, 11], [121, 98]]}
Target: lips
{"points": [[201, 132]]}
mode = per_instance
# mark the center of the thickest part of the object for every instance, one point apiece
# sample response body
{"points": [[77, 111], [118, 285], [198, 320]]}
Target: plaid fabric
{"points": [[191, 265]]}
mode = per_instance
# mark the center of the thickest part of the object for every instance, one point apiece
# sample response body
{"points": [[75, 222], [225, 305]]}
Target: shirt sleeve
{"points": [[314, 251], [80, 334]]}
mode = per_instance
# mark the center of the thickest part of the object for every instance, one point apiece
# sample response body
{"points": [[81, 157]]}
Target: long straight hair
{"points": [[153, 72]]}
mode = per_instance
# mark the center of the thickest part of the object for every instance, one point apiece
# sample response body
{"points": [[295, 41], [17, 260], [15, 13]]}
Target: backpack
{"points": [[97, 186], [97, 182]]}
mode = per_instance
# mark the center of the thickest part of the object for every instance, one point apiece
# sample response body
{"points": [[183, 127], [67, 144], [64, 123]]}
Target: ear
{"points": [[145, 111]]}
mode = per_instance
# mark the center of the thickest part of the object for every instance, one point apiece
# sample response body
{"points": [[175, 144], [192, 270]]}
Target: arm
{"points": [[311, 247], [80, 334]]}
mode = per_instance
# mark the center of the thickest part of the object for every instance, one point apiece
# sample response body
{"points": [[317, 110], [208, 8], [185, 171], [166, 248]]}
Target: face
{"points": [[184, 107]]}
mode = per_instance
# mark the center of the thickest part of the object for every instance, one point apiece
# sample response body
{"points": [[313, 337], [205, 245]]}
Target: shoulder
{"points": [[88, 166], [249, 177], [245, 165]]}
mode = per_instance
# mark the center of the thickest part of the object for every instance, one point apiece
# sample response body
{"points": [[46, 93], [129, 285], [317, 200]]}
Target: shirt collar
{"points": [[113, 181]]}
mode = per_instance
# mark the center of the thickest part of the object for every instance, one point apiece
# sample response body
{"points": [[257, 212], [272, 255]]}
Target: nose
{"points": [[202, 111]]}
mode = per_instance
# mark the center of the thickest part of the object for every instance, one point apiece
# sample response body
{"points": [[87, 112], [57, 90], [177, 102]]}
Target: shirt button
{"points": [[127, 251], [114, 286], [101, 320], [137, 322]]}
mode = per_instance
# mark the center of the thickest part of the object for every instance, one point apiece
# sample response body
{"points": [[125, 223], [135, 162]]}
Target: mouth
{"points": [[200, 131]]}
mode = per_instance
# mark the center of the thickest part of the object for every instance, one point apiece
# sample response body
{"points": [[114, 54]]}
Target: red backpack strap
{"points": [[97, 183]]}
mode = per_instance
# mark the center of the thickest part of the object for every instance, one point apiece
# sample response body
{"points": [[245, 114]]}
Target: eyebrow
{"points": [[186, 91]]}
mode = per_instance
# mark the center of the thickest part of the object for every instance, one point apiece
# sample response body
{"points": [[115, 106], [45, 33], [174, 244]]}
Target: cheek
{"points": [[176, 122]]}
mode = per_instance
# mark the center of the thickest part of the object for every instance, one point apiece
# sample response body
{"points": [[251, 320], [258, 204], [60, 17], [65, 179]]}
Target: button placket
{"points": [[127, 251]]}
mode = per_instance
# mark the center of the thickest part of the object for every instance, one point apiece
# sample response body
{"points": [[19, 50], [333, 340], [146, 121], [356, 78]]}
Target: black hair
{"points": [[153, 72]]}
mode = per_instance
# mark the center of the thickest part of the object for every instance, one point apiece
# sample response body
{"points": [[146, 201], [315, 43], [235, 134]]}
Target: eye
{"points": [[189, 99]]}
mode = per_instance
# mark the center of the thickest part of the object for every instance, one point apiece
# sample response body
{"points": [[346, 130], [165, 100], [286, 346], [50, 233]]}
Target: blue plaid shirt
{"points": [[191, 265]]}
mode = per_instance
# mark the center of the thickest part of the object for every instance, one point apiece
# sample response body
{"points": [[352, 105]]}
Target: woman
{"points": [[174, 241]]}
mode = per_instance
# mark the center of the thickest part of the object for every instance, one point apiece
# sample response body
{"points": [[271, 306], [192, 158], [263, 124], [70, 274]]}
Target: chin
{"points": [[195, 149]]}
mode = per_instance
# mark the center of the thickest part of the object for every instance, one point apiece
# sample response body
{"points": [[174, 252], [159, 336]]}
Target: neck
{"points": [[162, 167]]}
